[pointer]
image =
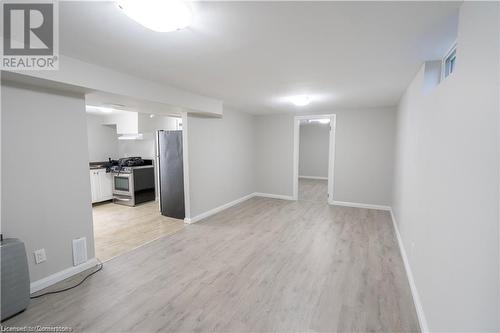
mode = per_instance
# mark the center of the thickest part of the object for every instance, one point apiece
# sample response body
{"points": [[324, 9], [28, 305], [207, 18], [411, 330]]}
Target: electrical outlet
{"points": [[40, 256]]}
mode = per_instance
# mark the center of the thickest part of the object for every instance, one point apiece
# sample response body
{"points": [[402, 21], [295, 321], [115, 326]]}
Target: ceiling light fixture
{"points": [[93, 108], [300, 100], [320, 121], [158, 15]]}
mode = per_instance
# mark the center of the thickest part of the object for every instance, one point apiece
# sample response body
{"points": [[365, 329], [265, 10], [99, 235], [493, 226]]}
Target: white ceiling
{"points": [[253, 54]]}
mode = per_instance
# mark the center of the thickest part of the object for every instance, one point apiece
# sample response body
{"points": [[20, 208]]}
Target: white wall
{"points": [[158, 122], [221, 159], [148, 126], [102, 139], [45, 177], [241, 154], [313, 149], [446, 198], [364, 155], [144, 148], [126, 122], [274, 154]]}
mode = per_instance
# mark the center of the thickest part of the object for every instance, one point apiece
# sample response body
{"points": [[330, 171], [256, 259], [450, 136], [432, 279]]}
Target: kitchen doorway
{"points": [[124, 179]]}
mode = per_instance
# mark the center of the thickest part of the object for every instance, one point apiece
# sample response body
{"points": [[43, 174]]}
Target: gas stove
{"points": [[128, 169], [133, 184]]}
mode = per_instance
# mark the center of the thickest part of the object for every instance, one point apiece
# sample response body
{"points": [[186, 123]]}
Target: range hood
{"points": [[137, 136]]}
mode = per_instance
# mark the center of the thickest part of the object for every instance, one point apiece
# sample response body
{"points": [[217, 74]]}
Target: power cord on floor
{"points": [[100, 266]]}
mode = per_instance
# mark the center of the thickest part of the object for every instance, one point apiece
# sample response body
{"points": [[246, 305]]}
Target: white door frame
{"points": [[331, 153], [185, 167]]}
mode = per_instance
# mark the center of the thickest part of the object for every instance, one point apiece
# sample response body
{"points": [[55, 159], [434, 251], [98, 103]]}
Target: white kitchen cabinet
{"points": [[106, 185], [94, 185], [101, 185]]}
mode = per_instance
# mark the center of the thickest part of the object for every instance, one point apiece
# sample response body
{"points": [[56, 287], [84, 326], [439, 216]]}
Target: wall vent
{"points": [[79, 251]]}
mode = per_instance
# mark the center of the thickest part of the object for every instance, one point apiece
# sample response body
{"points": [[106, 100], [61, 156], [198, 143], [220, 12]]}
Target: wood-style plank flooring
{"points": [[315, 190], [119, 229], [265, 265]]}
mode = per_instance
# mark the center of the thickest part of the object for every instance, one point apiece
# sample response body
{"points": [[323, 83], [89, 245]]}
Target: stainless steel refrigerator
{"points": [[170, 173]]}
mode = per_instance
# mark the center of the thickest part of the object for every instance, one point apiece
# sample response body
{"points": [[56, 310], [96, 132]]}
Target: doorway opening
{"points": [[125, 177], [314, 156]]}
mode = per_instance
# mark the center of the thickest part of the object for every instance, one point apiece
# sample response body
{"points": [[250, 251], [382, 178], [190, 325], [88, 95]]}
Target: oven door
{"points": [[123, 183]]}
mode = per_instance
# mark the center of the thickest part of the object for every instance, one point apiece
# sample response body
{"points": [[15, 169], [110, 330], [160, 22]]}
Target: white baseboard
{"points": [[413, 287], [62, 275], [232, 203], [274, 196], [217, 209], [359, 205], [313, 177]]}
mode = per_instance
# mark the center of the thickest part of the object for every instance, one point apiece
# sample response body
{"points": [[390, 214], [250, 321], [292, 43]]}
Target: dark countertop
{"points": [[97, 165], [103, 165]]}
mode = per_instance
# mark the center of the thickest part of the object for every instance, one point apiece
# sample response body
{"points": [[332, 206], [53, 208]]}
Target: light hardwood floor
{"points": [[265, 265], [119, 229], [315, 190]]}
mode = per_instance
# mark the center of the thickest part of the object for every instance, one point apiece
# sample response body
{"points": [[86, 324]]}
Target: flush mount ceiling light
{"points": [[300, 100], [320, 121], [158, 15], [93, 108]]}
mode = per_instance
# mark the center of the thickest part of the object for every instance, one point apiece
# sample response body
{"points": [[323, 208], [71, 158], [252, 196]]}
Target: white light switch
{"points": [[40, 256]]}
